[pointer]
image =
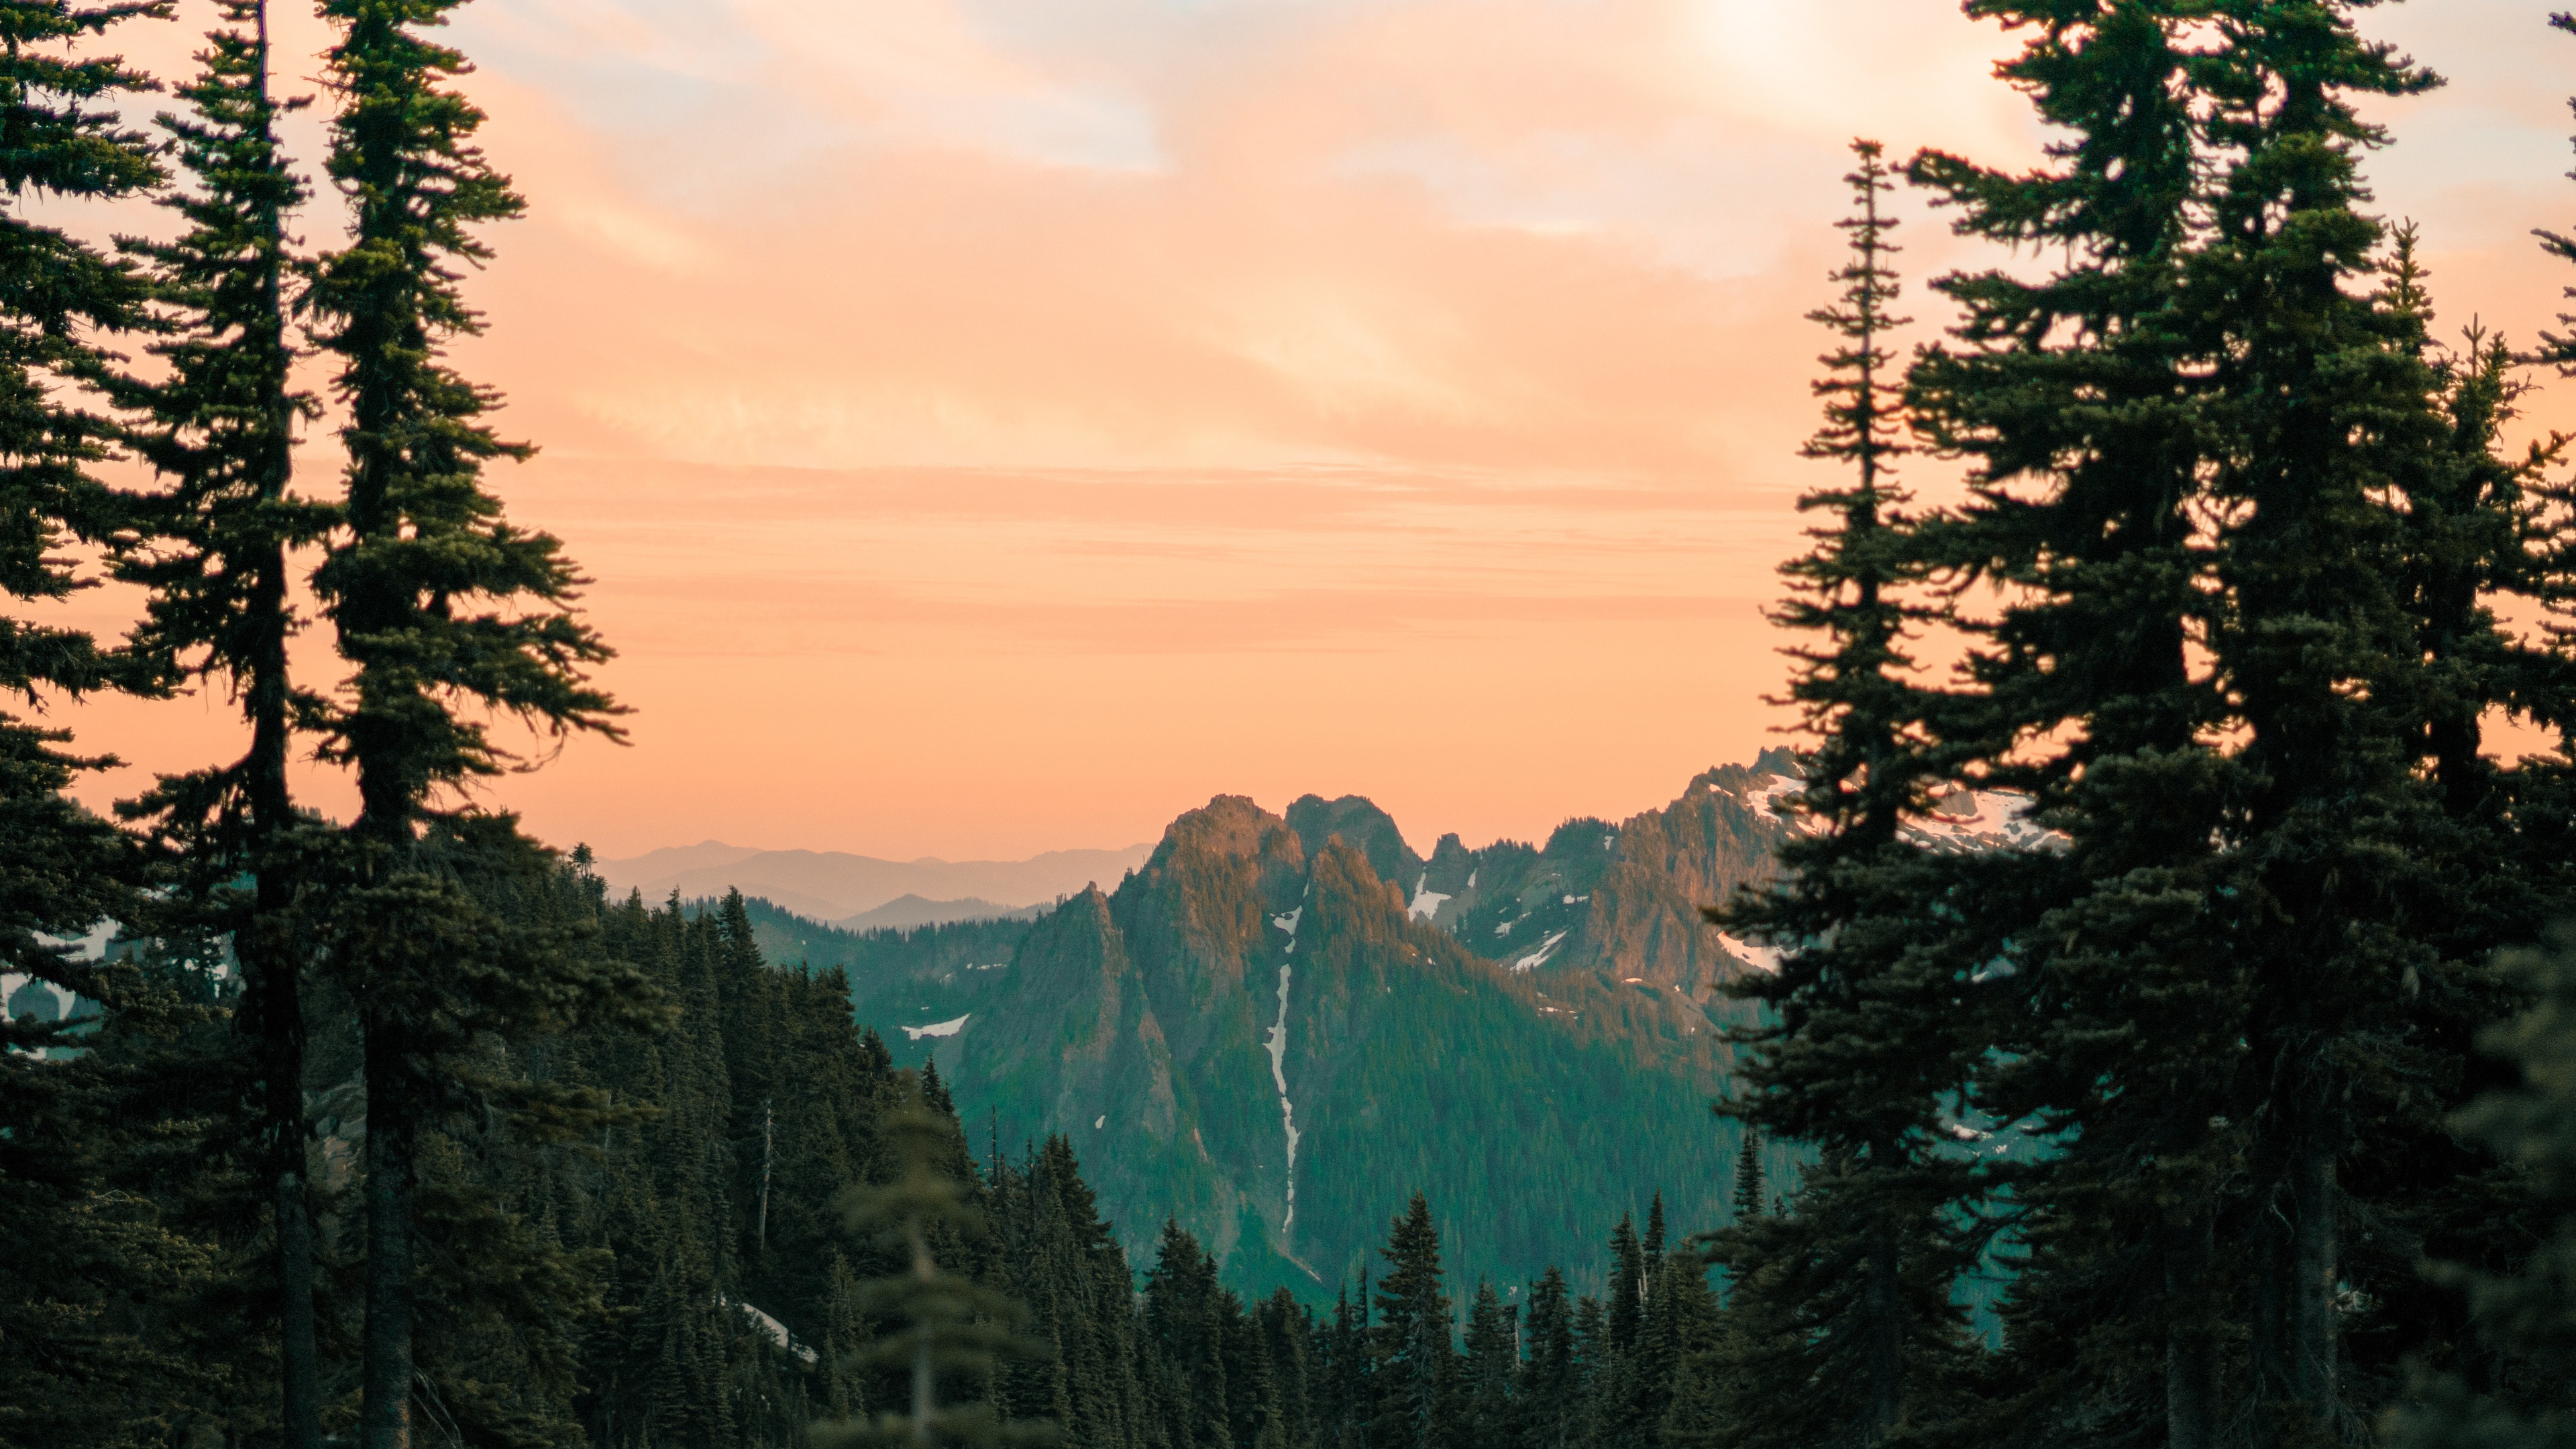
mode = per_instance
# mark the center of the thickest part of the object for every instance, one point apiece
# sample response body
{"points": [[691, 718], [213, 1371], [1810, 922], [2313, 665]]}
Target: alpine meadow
{"points": [[2132, 1007]]}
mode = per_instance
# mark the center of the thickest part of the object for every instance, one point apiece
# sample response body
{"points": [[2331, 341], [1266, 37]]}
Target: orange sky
{"points": [[998, 425]]}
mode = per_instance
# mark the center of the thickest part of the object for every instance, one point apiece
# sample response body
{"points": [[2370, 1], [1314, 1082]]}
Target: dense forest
{"points": [[398, 1130]]}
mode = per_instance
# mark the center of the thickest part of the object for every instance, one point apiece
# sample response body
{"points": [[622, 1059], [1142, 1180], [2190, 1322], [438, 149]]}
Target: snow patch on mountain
{"points": [[1538, 958], [1975, 821], [1963, 822], [1760, 958], [1278, 1045], [771, 1329], [1426, 901], [940, 1028]]}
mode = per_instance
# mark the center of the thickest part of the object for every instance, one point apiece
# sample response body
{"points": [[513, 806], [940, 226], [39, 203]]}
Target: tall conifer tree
{"points": [[2244, 528], [441, 607], [1864, 1042], [212, 551], [1414, 1361], [62, 870]]}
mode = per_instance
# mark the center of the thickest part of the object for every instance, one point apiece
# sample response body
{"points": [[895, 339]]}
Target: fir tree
{"points": [[211, 549], [2525, 1365], [1747, 1193], [2278, 870], [440, 606], [1492, 1415], [1862, 1043], [75, 1372], [951, 1331], [1185, 1318], [1550, 1387], [1413, 1362], [2076, 399]]}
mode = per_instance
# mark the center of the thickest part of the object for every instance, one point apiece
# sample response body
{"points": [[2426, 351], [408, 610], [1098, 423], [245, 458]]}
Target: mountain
{"points": [[1281, 1025], [905, 912], [832, 885], [1263, 1042]]}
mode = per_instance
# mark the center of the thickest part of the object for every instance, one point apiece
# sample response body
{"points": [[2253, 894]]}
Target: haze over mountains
{"points": [[835, 887]]}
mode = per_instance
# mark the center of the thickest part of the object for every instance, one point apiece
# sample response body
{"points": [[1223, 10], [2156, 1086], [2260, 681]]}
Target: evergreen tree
{"points": [[1550, 1389], [1747, 1193], [951, 1331], [1862, 1041], [2519, 1388], [77, 1247], [1349, 1381], [440, 606], [1492, 1415], [1413, 1363], [1289, 1330], [1185, 1319], [2246, 527], [211, 550], [1683, 1338], [2076, 399]]}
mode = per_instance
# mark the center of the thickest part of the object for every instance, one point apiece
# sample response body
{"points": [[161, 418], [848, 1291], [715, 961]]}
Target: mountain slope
{"points": [[1237, 990], [1529, 1034]]}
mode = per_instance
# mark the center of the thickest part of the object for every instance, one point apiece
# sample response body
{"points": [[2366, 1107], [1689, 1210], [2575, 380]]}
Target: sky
{"points": [[995, 426]]}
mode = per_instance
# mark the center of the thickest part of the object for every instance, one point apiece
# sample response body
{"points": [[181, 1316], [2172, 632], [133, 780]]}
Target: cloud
{"points": [[997, 424]]}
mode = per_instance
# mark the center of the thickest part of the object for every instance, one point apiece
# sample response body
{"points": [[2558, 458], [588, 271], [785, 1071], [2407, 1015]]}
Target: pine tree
{"points": [[77, 1247], [211, 550], [1185, 1318], [1683, 1338], [2247, 528], [2527, 1318], [2076, 399], [1350, 1381], [1747, 1193], [1289, 1329], [1862, 1042], [952, 1331], [440, 606], [1413, 1361], [1550, 1382], [1493, 1359]]}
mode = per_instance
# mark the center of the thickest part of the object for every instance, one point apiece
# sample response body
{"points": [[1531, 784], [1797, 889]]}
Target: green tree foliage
{"points": [[79, 1245], [1413, 1354], [945, 1328], [2514, 1392], [1862, 1039], [439, 604], [211, 550], [2245, 528]]}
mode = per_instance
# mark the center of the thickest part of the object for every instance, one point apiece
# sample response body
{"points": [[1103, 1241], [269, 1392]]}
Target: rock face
{"points": [[1281, 1026]]}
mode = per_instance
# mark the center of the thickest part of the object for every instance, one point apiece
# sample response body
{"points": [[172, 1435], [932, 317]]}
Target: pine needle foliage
{"points": [[1860, 1042], [2523, 1394], [444, 612], [948, 1332], [211, 549]]}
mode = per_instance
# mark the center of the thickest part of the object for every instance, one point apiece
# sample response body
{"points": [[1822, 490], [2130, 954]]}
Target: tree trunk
{"points": [[2315, 1206], [1885, 1327], [384, 1413], [298, 1359], [2191, 1351]]}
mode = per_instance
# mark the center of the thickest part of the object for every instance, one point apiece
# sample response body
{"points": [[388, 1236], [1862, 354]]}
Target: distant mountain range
{"points": [[837, 888], [1283, 1024]]}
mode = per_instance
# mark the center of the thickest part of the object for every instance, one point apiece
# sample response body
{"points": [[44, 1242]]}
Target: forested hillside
{"points": [[1579, 987]]}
